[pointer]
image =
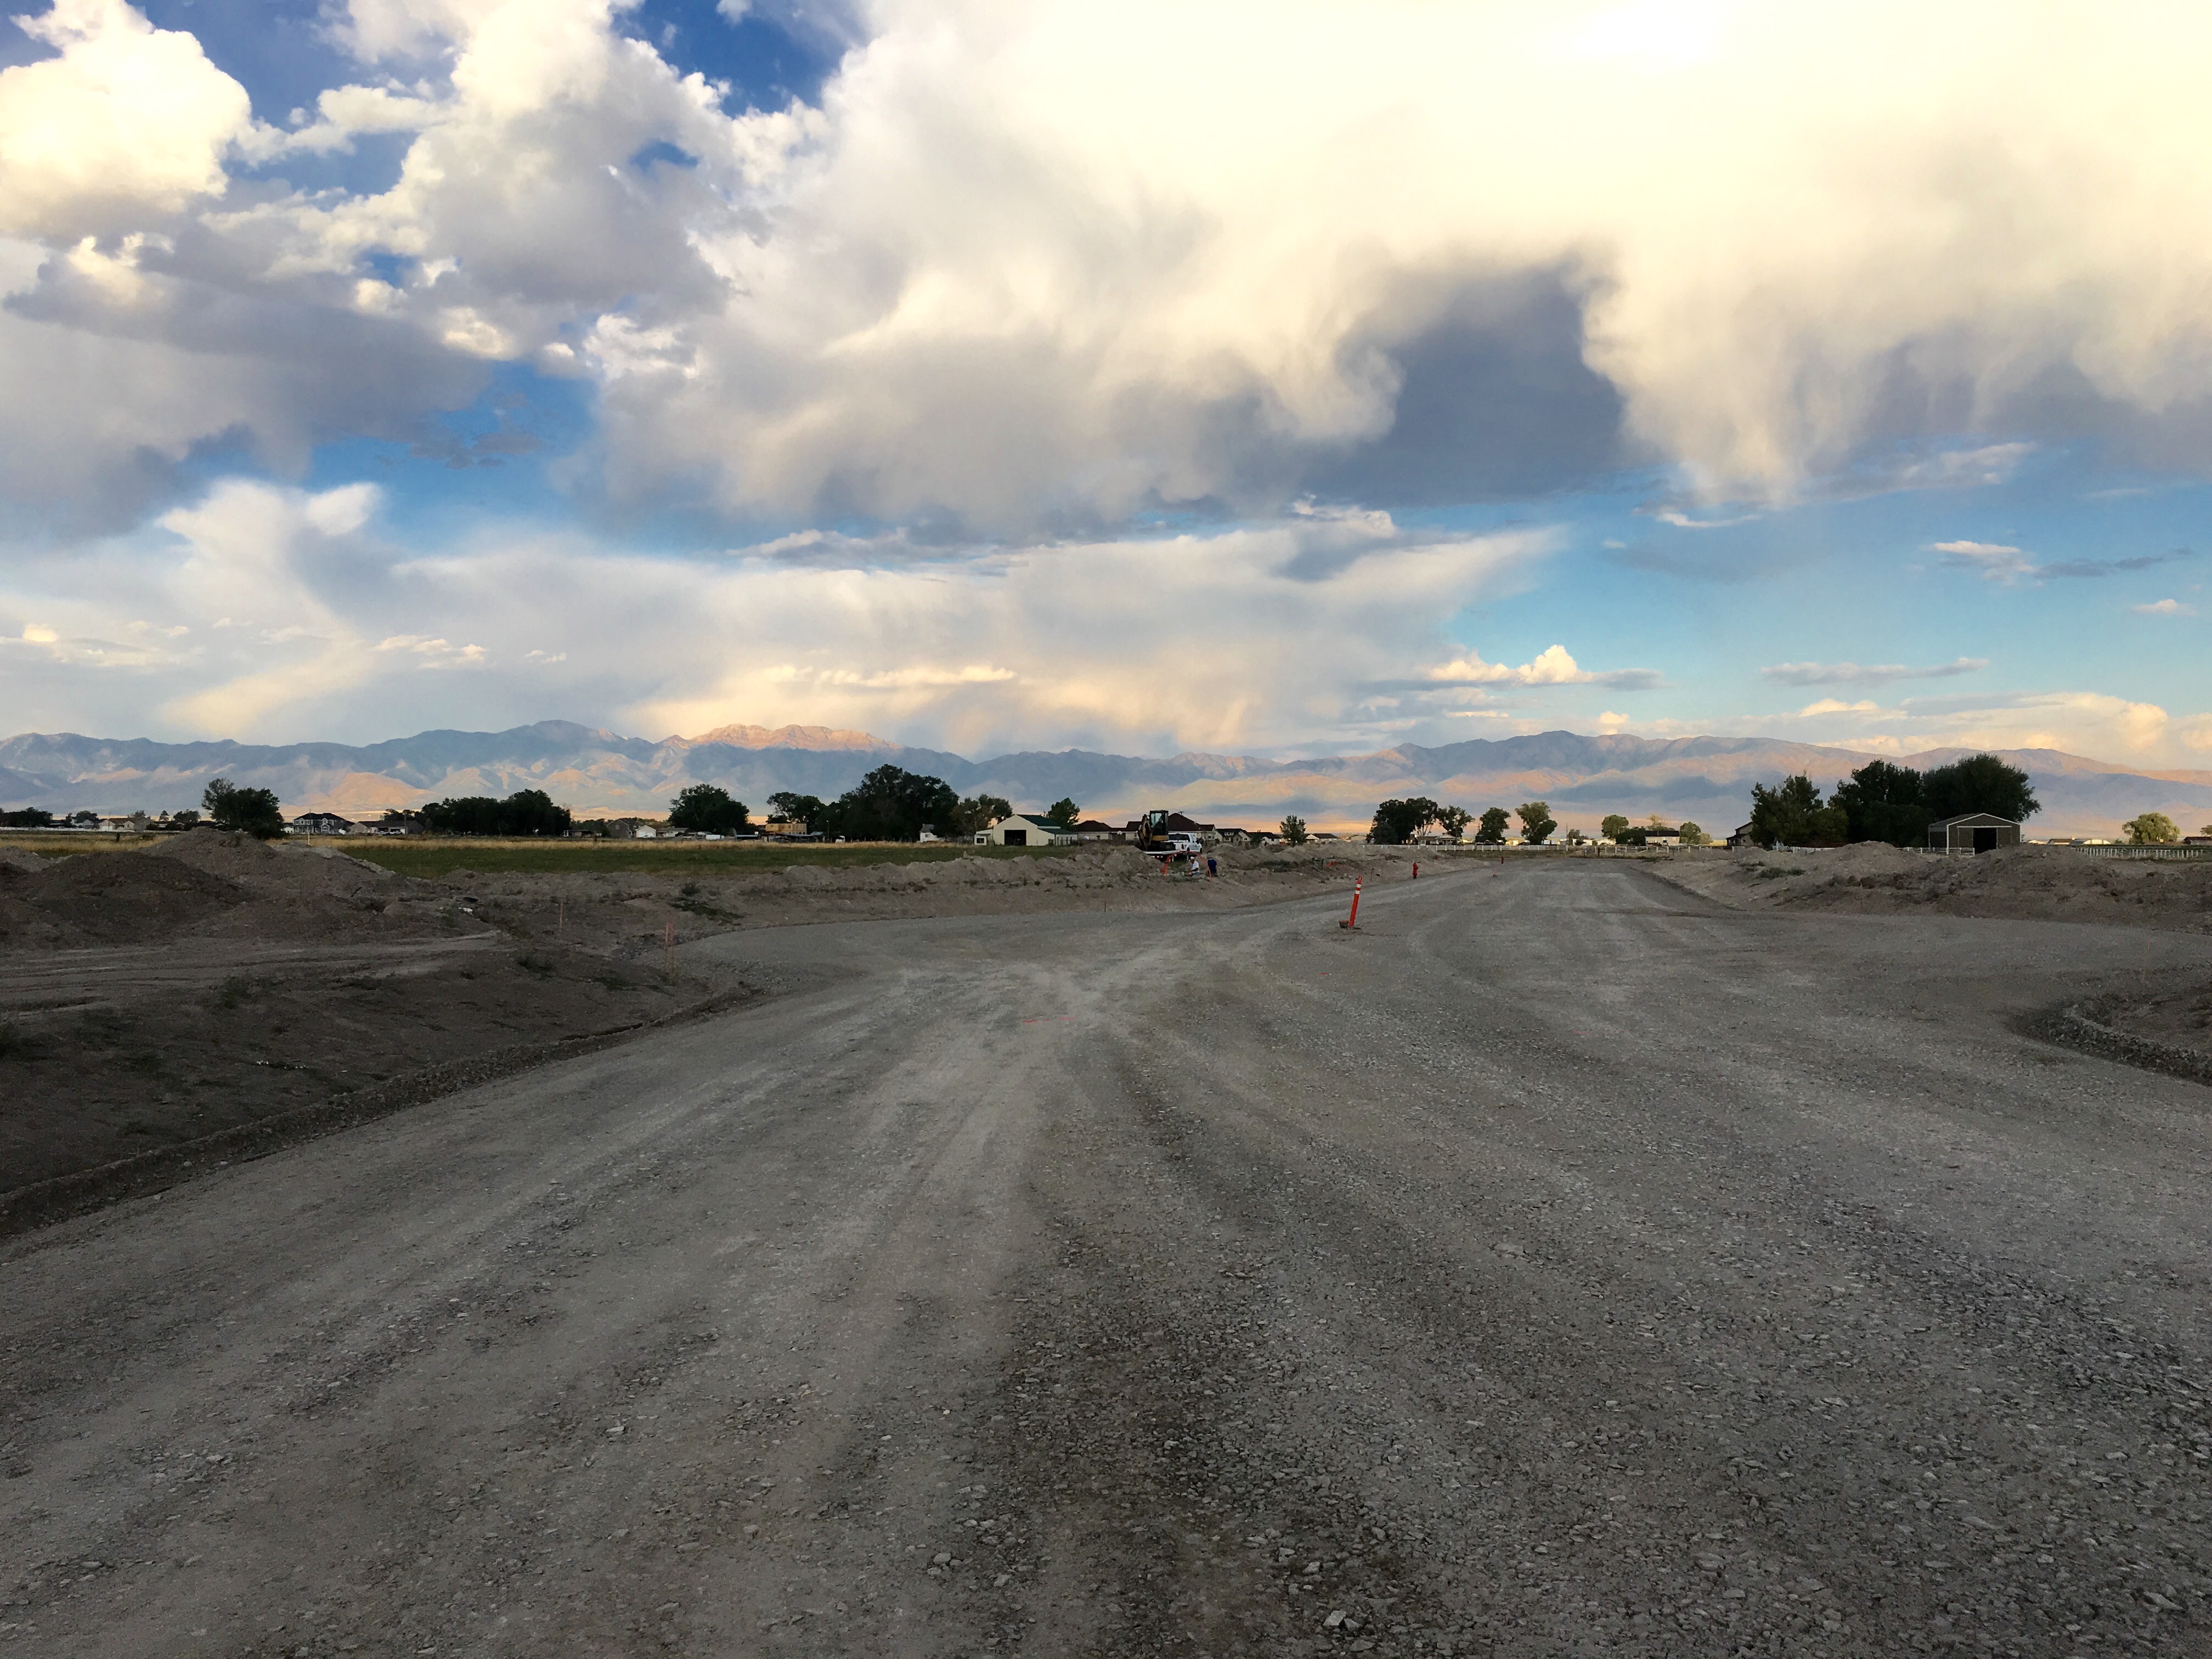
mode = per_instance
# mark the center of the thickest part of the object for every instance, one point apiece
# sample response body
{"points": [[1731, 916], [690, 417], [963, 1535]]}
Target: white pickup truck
{"points": [[1178, 844]]}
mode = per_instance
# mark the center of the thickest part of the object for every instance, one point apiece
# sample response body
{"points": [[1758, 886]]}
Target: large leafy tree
{"points": [[1397, 821], [1063, 812], [1536, 821], [2151, 829], [1980, 783], [891, 804], [1293, 829], [980, 812], [1613, 826], [1490, 829], [1792, 814], [1882, 802], [796, 809], [1453, 820], [255, 811], [708, 808]]}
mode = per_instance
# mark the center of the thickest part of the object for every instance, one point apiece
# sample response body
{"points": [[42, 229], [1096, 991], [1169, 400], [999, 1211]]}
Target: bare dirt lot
{"points": [[1563, 1264], [2016, 883], [153, 997]]}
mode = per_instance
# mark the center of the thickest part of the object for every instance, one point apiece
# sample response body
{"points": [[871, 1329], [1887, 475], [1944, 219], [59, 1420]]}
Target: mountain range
{"points": [[598, 773]]}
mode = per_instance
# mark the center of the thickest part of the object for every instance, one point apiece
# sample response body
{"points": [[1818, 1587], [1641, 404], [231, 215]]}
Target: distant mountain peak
{"points": [[787, 737]]}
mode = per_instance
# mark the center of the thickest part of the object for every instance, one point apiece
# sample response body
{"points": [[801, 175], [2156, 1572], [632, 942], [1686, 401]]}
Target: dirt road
{"points": [[1558, 1266]]}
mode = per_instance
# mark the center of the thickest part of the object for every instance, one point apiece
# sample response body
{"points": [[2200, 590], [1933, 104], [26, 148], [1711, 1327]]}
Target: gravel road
{"points": [[1557, 1265]]}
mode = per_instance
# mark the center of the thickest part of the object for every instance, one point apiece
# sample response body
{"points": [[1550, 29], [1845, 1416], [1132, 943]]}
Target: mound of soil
{"points": [[111, 899], [2020, 882], [210, 883], [85, 1083]]}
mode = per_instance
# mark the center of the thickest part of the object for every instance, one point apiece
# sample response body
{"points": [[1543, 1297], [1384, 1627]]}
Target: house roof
{"points": [[1975, 820]]}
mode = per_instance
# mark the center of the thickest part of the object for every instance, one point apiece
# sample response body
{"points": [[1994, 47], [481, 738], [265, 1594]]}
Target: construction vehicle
{"points": [[1155, 840]]}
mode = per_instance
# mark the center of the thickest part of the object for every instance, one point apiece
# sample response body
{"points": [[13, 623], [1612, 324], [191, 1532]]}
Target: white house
{"points": [[1024, 829]]}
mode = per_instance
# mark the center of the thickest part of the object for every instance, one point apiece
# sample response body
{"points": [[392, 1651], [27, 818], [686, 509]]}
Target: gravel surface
{"points": [[1561, 1264]]}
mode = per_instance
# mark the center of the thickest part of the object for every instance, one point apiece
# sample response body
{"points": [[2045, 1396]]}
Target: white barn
{"points": [[1024, 829]]}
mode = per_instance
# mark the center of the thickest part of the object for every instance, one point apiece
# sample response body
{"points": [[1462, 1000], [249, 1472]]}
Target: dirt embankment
{"points": [[152, 997], [2023, 883]]}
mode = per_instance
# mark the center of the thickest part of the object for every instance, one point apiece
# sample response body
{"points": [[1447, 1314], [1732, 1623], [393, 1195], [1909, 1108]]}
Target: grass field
{"points": [[430, 857]]}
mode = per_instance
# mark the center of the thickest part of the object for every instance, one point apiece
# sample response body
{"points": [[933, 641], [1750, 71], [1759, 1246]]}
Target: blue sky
{"points": [[990, 377]]}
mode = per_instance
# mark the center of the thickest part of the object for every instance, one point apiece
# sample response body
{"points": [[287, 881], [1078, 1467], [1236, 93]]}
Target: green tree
{"points": [[2150, 829], [1980, 783], [1882, 802], [1397, 821], [1791, 814], [980, 812], [1292, 830], [31, 817], [525, 812], [795, 809], [707, 808], [1453, 820], [1536, 821], [1613, 826], [1491, 829], [1694, 836], [1063, 812], [891, 804], [255, 811]]}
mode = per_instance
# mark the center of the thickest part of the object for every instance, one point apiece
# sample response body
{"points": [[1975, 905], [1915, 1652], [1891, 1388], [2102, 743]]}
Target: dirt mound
{"points": [[2030, 883], [212, 883], [217, 852], [17, 858], [111, 898]]}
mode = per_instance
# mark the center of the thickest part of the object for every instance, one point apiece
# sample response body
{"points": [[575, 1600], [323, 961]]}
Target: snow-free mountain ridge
{"points": [[596, 772]]}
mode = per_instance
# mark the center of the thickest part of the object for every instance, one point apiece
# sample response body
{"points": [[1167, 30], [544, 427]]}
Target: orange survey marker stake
{"points": [[1353, 920]]}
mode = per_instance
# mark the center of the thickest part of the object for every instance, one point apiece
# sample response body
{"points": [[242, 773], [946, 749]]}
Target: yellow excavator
{"points": [[1156, 839]]}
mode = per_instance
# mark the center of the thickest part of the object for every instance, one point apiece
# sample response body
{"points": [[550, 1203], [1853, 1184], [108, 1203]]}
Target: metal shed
{"points": [[1972, 832]]}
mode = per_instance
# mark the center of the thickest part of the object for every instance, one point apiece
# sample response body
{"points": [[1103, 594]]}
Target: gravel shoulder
{"points": [[1562, 1263]]}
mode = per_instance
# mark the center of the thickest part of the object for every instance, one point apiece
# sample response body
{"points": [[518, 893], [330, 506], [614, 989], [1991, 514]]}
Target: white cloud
{"points": [[1550, 666], [2165, 608], [301, 621], [1993, 561], [1851, 673], [1054, 263], [1998, 563], [127, 125]]}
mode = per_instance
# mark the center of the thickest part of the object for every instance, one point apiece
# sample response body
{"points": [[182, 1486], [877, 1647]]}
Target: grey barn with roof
{"points": [[1972, 832]]}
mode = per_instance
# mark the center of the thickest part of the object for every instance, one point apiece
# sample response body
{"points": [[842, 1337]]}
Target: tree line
{"points": [[1398, 822], [889, 804], [1883, 802]]}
